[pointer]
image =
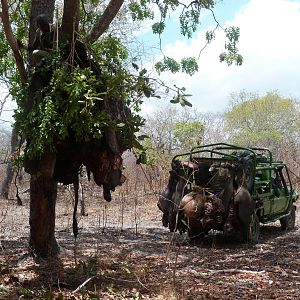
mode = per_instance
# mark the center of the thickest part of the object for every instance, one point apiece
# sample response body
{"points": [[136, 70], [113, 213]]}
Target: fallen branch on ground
{"points": [[83, 284], [235, 271]]}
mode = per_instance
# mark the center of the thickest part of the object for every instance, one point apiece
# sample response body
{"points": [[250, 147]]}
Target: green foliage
{"points": [[7, 64], [73, 102], [171, 130], [189, 65], [158, 27], [264, 121], [111, 51], [19, 19], [147, 155], [167, 64], [188, 134], [210, 36], [20, 25], [69, 105], [181, 99], [140, 11], [3, 290], [231, 55], [208, 4], [189, 21]]}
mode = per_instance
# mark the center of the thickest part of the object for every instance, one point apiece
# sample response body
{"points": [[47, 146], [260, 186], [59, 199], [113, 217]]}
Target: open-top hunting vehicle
{"points": [[227, 188]]}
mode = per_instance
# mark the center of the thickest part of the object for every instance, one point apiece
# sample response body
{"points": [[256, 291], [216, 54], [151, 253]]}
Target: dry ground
{"points": [[123, 252]]}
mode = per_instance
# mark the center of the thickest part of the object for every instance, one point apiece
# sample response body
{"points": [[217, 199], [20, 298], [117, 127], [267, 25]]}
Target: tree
{"points": [[4, 136], [171, 130], [14, 143], [73, 103], [214, 131], [5, 133], [159, 128], [188, 134], [270, 121]]}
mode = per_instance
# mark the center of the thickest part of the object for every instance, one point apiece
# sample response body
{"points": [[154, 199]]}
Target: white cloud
{"points": [[270, 46]]}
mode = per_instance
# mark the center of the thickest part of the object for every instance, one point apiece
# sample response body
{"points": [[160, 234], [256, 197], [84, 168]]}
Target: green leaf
{"points": [[135, 66], [158, 27], [142, 137], [143, 72], [175, 100], [168, 64], [189, 65]]}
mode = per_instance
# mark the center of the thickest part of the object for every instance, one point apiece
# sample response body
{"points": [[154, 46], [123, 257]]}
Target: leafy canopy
{"points": [[188, 134], [72, 100], [264, 121], [52, 120], [171, 130]]}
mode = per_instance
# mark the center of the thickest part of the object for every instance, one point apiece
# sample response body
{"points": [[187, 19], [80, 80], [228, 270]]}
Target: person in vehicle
{"points": [[277, 184]]}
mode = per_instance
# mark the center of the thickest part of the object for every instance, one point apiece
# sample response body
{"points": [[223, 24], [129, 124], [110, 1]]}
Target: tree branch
{"points": [[2, 103], [13, 42], [70, 20], [103, 23]]}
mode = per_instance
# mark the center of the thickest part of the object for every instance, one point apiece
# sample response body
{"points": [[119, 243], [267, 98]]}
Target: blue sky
{"points": [[269, 43], [224, 10]]}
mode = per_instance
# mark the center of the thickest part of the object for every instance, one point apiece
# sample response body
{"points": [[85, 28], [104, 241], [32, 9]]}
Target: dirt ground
{"points": [[123, 252]]}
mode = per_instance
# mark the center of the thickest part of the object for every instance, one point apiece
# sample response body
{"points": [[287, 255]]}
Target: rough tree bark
{"points": [[70, 20], [43, 188], [43, 193], [104, 21]]}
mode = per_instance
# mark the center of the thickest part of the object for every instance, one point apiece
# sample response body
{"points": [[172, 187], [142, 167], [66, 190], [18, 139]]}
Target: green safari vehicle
{"points": [[267, 190]]}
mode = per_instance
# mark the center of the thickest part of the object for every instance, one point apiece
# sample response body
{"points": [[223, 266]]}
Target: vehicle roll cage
{"points": [[262, 157], [221, 148]]}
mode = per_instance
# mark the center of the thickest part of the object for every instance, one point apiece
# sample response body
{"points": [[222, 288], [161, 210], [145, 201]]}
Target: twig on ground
{"points": [[141, 284], [83, 284], [235, 271]]}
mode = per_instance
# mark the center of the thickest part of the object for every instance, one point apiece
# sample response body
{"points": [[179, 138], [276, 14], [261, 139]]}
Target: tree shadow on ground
{"points": [[123, 262]]}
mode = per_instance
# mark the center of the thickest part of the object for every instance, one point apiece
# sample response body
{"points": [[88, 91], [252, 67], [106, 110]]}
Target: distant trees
{"points": [[9, 172], [188, 134], [6, 144], [171, 130], [269, 121]]}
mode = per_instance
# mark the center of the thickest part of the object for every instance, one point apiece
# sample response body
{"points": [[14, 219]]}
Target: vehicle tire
{"points": [[254, 229], [195, 234], [248, 169], [288, 222]]}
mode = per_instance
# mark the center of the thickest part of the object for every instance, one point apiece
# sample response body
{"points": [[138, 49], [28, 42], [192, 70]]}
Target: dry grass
{"points": [[123, 252]]}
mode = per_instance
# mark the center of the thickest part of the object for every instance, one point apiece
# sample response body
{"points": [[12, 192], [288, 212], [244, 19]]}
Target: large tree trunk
{"points": [[43, 192], [43, 188], [38, 7], [104, 21], [70, 19]]}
